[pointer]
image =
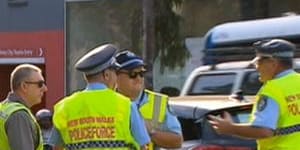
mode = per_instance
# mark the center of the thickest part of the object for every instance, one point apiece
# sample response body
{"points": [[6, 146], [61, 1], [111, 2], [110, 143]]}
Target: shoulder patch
{"points": [[262, 103]]}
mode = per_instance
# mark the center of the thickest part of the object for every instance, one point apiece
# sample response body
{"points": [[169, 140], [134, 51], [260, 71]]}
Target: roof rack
{"points": [[233, 41]]}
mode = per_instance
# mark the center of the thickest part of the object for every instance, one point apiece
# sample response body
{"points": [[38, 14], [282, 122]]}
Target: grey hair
{"points": [[21, 73]]}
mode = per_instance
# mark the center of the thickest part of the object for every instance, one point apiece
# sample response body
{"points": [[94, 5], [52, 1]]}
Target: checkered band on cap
{"points": [[100, 144], [128, 60], [287, 130]]}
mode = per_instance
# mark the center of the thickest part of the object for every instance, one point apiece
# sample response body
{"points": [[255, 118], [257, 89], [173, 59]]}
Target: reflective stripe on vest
{"points": [[287, 130], [8, 108], [156, 107], [154, 111], [90, 118], [287, 95]]}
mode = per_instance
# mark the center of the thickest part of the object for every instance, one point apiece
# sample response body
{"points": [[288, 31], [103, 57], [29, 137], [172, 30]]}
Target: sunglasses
{"points": [[40, 84], [133, 74]]}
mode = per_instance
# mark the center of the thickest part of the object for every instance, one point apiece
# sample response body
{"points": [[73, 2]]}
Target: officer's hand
{"points": [[222, 125]]}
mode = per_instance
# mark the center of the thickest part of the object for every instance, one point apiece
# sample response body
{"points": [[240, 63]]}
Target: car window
{"points": [[191, 129], [251, 83], [213, 84]]}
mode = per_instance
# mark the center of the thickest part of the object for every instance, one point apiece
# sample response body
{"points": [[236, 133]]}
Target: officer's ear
{"points": [[23, 86], [106, 74]]}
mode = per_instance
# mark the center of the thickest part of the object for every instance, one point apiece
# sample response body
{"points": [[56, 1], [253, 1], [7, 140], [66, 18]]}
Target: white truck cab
{"points": [[222, 79], [225, 79]]}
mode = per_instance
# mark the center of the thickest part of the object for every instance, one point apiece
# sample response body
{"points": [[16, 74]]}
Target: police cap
{"points": [[276, 48], [98, 59], [128, 60]]}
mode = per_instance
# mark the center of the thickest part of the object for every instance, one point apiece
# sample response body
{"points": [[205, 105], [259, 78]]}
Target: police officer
{"points": [[98, 117], [275, 121], [18, 128], [163, 127]]}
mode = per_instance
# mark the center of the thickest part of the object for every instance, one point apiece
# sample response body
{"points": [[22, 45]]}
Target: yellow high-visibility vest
{"points": [[154, 111], [97, 119], [286, 92], [6, 109]]}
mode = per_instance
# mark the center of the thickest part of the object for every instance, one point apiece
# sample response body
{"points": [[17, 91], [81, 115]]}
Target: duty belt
{"points": [[100, 144], [287, 130]]}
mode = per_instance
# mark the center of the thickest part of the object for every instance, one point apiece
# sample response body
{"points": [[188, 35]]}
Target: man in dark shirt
{"points": [[44, 119], [18, 127]]}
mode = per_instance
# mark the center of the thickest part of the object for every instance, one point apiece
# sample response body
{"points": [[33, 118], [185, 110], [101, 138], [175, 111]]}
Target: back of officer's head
{"points": [[280, 49]]}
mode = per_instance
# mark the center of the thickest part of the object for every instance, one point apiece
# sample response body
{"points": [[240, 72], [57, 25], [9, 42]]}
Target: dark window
{"points": [[213, 84], [251, 83], [191, 130], [209, 136]]}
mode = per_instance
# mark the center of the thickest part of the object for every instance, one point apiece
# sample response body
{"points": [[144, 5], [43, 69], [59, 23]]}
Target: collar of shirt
{"points": [[284, 73], [13, 97], [95, 86], [141, 99]]}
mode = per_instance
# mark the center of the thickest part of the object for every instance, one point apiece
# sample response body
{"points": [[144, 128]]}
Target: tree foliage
{"points": [[169, 41]]}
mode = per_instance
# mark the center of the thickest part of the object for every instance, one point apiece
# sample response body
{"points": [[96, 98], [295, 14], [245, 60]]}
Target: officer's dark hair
{"points": [[95, 76], [90, 77], [286, 62]]}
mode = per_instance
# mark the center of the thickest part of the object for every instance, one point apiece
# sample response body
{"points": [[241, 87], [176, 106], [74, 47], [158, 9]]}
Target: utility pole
{"points": [[149, 39]]}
